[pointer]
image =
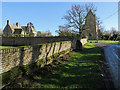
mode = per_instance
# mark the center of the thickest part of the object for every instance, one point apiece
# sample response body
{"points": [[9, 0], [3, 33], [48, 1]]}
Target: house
{"points": [[90, 26], [17, 30]]}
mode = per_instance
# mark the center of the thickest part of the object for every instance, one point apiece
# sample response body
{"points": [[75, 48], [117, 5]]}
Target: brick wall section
{"points": [[26, 55]]}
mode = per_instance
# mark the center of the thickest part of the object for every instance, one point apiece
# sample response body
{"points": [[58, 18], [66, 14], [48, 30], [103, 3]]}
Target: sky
{"points": [[48, 15]]}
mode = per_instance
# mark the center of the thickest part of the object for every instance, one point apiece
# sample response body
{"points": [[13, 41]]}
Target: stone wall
{"points": [[29, 54], [26, 55], [22, 41], [83, 41]]}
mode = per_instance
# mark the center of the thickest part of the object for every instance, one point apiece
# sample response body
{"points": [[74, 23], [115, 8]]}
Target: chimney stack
{"points": [[28, 24], [17, 24], [8, 22]]}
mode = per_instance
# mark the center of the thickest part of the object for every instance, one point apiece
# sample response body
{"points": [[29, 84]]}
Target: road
{"points": [[112, 55]]}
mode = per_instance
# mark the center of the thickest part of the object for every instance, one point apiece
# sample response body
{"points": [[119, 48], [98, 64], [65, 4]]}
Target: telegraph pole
{"points": [[97, 30]]}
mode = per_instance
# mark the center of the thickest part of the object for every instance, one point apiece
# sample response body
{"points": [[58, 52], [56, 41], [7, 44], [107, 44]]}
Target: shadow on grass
{"points": [[81, 71]]}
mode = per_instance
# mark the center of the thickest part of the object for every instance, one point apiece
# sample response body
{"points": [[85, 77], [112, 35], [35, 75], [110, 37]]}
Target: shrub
{"points": [[118, 38]]}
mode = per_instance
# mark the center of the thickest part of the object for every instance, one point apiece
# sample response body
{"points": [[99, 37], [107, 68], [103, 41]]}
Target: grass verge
{"points": [[104, 41], [81, 71], [6, 47]]}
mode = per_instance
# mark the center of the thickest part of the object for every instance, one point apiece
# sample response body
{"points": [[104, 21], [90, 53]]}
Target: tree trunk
{"points": [[79, 46], [78, 42]]}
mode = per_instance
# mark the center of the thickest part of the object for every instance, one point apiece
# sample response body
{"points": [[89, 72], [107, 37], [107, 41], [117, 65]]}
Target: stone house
{"points": [[90, 26], [17, 30]]}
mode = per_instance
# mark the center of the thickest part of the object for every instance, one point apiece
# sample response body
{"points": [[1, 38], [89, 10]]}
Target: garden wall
{"points": [[83, 41], [39, 48], [26, 55], [22, 41]]}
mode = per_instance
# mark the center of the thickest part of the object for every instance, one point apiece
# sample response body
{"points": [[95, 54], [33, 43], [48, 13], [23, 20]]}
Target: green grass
{"points": [[81, 71], [6, 47], [104, 41]]}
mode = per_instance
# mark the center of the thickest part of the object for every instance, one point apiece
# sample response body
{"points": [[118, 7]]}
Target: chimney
{"points": [[28, 24], [17, 24], [8, 22]]}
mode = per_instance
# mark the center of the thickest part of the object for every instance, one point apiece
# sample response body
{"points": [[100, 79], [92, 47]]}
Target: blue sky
{"points": [[48, 15]]}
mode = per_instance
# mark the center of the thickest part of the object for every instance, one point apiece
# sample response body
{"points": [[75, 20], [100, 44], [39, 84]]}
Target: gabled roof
{"points": [[13, 27], [90, 12], [33, 29], [24, 28]]}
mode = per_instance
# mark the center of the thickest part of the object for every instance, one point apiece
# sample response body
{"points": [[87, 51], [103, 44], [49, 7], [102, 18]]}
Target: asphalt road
{"points": [[112, 55]]}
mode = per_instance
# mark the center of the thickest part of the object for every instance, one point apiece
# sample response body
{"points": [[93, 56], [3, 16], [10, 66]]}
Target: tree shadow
{"points": [[21, 56], [60, 47], [78, 45], [35, 53], [80, 71], [53, 52], [48, 51]]}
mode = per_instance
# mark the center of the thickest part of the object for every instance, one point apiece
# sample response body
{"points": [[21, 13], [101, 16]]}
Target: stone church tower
{"points": [[90, 26]]}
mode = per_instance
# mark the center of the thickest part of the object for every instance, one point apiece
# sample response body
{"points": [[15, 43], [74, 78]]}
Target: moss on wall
{"points": [[10, 76], [16, 72]]}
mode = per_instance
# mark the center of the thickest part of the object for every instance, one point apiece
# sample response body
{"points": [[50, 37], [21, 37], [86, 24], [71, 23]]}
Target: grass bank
{"points": [[81, 71]]}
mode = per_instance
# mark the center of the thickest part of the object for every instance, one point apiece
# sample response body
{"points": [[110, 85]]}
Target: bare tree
{"points": [[44, 33], [90, 6], [76, 17], [113, 30], [48, 33], [99, 27], [63, 31], [39, 33]]}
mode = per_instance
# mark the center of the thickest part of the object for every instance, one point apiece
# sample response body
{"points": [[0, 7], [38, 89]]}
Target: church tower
{"points": [[90, 26]]}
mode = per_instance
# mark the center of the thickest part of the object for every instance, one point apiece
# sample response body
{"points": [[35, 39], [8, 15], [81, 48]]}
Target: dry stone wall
{"points": [[26, 55], [83, 41], [21, 41], [29, 54]]}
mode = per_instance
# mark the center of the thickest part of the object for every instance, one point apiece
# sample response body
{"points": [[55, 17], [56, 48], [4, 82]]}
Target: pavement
{"points": [[112, 55]]}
